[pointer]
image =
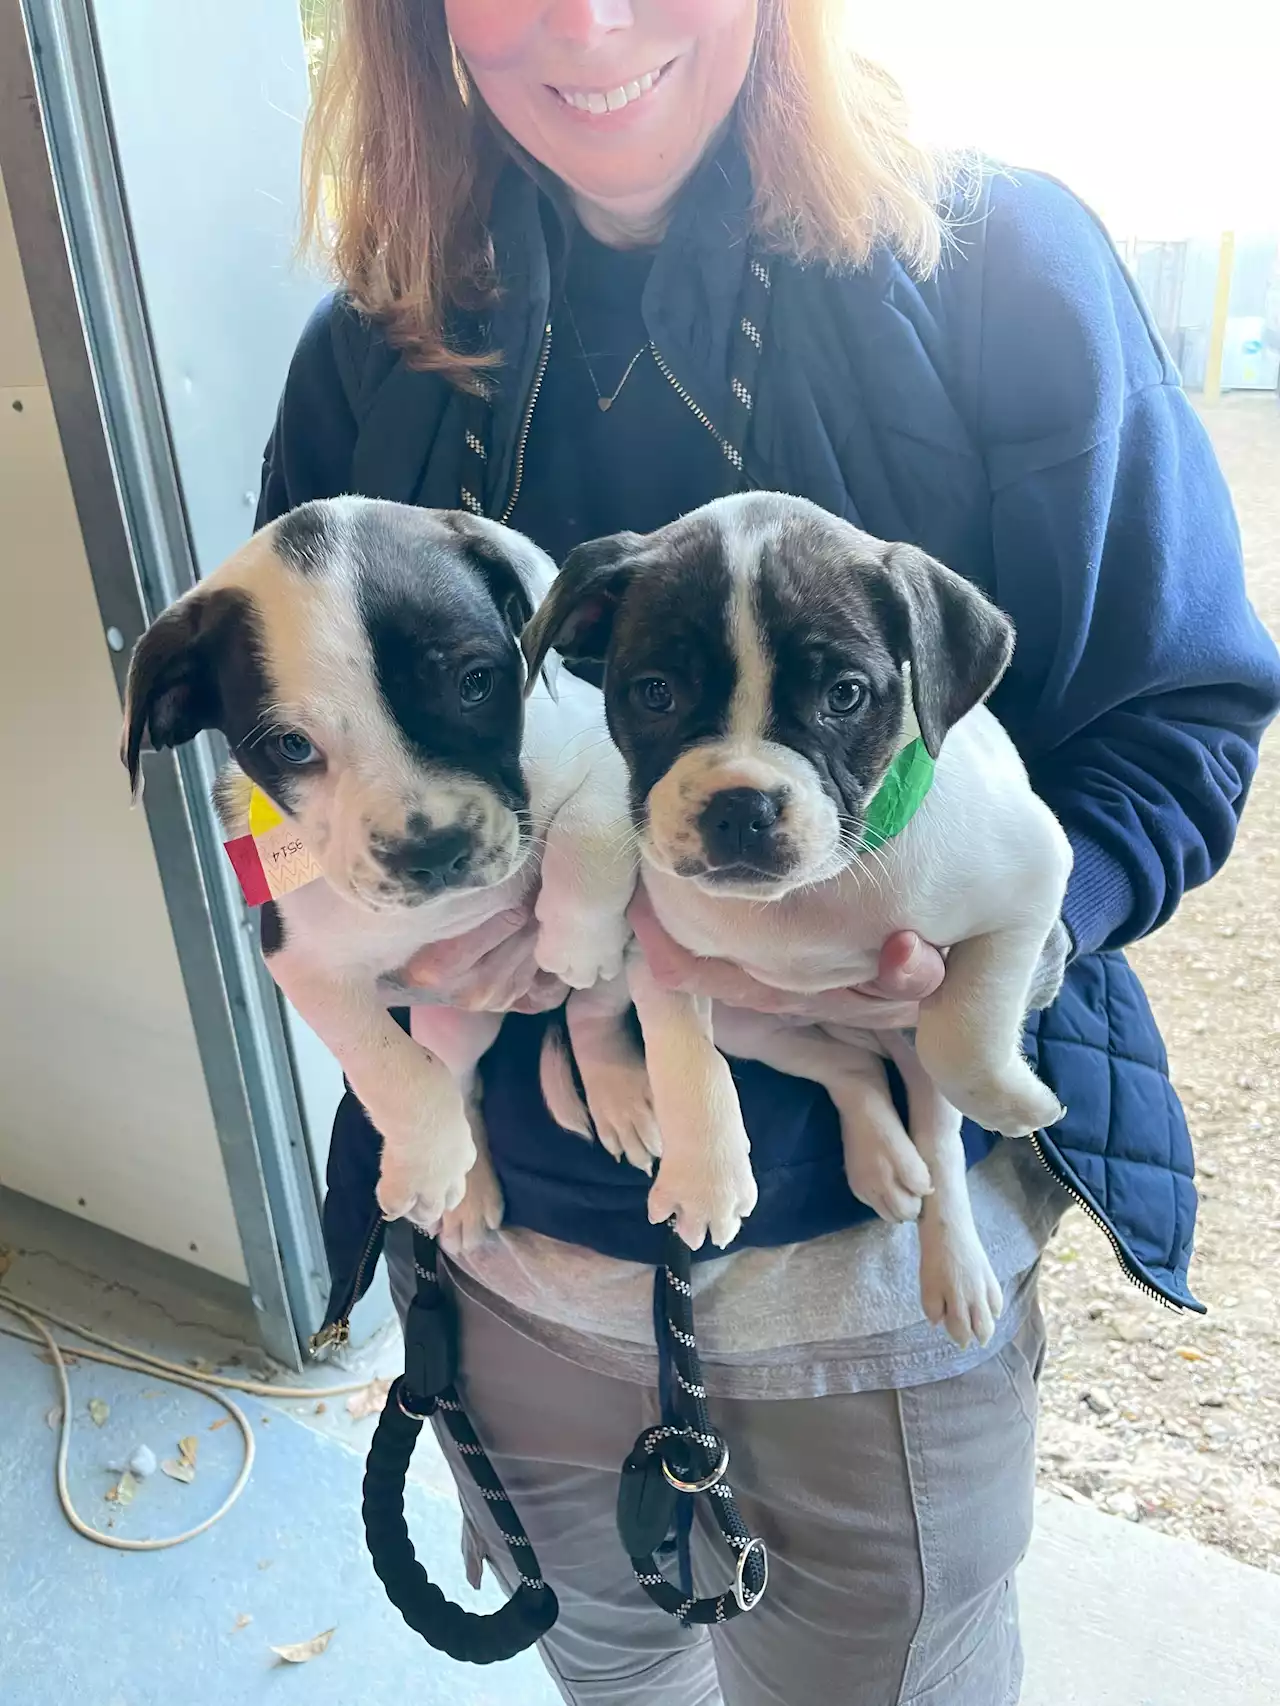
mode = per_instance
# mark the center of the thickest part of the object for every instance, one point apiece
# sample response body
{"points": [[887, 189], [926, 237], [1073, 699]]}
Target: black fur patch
{"points": [[271, 931], [673, 624], [435, 610], [306, 539], [821, 624]]}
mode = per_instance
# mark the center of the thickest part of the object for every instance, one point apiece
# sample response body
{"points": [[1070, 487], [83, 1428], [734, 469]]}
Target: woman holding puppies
{"points": [[687, 246]]}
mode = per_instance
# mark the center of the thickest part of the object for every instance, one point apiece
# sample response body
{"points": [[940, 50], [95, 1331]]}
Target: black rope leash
{"points": [[684, 1458], [425, 1387], [681, 1458]]}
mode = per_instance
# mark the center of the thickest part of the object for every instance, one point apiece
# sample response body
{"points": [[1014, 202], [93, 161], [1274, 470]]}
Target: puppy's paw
{"points": [[621, 1107], [705, 1196], [887, 1172], [958, 1288], [581, 949], [424, 1173], [466, 1227]]}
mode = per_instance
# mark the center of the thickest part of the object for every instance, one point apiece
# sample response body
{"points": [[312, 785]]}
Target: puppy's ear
{"points": [[515, 572], [173, 689], [576, 617], [957, 642]]}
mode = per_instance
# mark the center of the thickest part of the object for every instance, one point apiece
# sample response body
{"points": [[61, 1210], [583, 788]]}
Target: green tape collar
{"points": [[900, 796]]}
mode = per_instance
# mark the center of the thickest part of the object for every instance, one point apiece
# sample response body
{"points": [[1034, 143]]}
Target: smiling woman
{"points": [[602, 262], [404, 151]]}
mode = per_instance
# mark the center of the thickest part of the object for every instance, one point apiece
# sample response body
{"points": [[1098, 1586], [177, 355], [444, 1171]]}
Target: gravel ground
{"points": [[1160, 1417]]}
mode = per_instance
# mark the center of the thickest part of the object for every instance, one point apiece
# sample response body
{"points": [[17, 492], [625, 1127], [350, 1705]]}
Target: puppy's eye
{"points": [[845, 696], [294, 747], [653, 694], [475, 686]]}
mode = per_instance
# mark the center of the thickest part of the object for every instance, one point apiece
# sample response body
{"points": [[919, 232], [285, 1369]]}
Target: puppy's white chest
{"points": [[821, 938]]}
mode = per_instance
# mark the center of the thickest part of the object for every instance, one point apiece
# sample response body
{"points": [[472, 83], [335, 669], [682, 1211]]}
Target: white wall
{"points": [[103, 1107]]}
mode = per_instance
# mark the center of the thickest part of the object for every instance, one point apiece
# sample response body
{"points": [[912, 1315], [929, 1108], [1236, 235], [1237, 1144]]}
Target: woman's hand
{"points": [[909, 970], [491, 969]]}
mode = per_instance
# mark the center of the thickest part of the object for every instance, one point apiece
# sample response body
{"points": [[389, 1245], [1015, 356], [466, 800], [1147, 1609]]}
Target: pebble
{"points": [[1135, 1332], [1123, 1503], [140, 1465], [1098, 1400]]}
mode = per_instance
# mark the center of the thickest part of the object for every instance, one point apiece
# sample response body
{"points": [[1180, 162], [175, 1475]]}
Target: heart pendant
{"points": [[606, 403]]}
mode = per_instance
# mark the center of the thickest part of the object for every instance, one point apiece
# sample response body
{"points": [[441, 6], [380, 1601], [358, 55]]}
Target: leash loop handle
{"points": [[426, 1388], [468, 1636]]}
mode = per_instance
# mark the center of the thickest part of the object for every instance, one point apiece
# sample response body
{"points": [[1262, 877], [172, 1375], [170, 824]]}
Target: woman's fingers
{"points": [[910, 969]]}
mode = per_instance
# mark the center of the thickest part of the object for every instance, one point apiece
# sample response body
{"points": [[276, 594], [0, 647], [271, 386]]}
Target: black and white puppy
{"points": [[362, 660], [764, 664]]}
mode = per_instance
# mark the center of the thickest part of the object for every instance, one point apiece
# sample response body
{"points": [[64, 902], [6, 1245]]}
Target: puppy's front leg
{"points": [[704, 1177], [614, 1077], [408, 1094], [589, 869], [957, 1285], [969, 1035], [461, 1040]]}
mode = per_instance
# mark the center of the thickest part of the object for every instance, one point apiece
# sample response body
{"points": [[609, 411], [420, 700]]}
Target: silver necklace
{"points": [[603, 403]]}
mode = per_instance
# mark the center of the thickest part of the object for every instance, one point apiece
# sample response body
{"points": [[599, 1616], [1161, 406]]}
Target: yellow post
{"points": [[1218, 325]]}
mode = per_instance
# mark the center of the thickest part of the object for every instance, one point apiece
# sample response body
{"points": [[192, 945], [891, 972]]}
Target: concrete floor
{"points": [[1113, 1615]]}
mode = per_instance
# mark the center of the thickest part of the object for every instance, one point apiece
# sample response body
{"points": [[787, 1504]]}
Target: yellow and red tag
{"points": [[272, 859]]}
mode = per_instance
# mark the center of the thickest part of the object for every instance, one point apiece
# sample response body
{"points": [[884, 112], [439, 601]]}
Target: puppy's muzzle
{"points": [[439, 859], [741, 834]]}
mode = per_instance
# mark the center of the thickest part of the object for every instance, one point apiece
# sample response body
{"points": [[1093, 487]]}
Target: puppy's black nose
{"points": [[439, 859], [737, 825]]}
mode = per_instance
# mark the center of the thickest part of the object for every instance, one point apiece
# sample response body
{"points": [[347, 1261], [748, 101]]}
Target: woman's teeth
{"points": [[609, 100]]}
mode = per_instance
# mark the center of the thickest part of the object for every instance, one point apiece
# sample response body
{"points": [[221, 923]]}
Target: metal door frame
{"points": [[62, 178]]}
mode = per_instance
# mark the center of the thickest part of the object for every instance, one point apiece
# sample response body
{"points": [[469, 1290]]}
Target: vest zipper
{"points": [[1126, 1267], [695, 409], [338, 1331], [538, 377]]}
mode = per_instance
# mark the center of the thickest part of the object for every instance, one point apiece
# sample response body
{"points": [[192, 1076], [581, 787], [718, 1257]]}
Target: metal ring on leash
{"points": [[413, 1415], [744, 1599], [706, 1483]]}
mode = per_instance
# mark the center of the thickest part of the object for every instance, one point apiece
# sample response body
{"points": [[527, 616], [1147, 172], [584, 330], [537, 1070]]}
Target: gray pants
{"points": [[894, 1522]]}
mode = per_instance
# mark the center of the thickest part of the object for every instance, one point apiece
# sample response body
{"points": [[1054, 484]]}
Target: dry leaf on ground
{"points": [[178, 1471], [369, 1401], [188, 1449], [99, 1411], [222, 1422], [123, 1491], [243, 1621], [304, 1650]]}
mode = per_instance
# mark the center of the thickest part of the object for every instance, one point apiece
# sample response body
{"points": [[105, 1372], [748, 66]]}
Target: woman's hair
{"points": [[401, 158]]}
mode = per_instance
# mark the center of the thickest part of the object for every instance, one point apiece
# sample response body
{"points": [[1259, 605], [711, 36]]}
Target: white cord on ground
{"points": [[143, 1362]]}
